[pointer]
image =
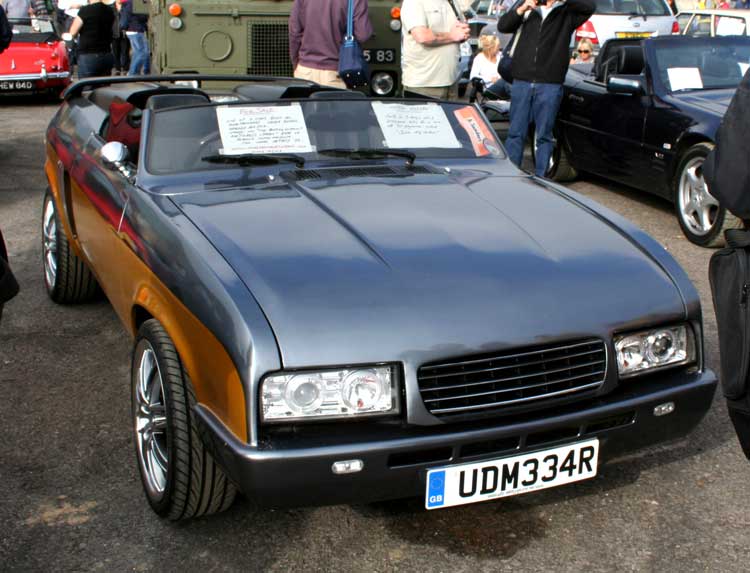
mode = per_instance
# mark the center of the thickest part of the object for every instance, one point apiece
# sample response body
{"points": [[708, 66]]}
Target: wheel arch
{"points": [[215, 378], [685, 142]]}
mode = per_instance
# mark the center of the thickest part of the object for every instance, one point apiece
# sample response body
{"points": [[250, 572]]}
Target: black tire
{"points": [[194, 484], [559, 168], [708, 232], [71, 281]]}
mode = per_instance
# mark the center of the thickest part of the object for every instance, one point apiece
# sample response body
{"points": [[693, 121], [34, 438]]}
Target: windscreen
{"points": [[32, 30], [633, 7], [210, 136], [702, 64]]}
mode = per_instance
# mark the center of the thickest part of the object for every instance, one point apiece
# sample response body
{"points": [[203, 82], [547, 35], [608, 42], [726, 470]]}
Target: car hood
{"points": [[712, 101], [359, 270]]}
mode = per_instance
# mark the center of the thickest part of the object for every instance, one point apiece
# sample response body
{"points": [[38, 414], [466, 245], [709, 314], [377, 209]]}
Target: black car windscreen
{"points": [[701, 64]]}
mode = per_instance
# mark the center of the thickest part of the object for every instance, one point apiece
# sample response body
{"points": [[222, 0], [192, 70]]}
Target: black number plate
{"points": [[380, 56], [16, 85]]}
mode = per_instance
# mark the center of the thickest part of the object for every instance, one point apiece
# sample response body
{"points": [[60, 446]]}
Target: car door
{"points": [[100, 196], [604, 131]]}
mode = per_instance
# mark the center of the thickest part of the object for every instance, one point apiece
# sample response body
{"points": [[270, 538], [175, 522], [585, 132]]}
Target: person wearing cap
{"points": [[93, 26]]}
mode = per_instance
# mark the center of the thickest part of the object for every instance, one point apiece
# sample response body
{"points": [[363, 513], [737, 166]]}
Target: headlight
{"points": [[382, 83], [344, 393], [645, 351]]}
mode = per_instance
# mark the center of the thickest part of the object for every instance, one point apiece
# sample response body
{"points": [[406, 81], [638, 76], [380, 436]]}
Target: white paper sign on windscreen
{"points": [[263, 129], [684, 78], [413, 126], [730, 26]]}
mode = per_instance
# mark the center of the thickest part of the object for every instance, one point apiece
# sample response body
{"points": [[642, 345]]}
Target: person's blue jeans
{"points": [[95, 65], [141, 58], [500, 88], [538, 103]]}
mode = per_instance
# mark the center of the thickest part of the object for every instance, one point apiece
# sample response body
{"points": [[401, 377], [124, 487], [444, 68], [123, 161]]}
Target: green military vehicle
{"points": [[251, 37]]}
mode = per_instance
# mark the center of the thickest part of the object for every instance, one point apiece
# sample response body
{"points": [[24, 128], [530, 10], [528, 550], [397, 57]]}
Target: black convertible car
{"points": [[645, 114]]}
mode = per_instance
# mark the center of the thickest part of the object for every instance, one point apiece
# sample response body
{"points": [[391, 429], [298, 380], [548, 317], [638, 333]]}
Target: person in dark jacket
{"points": [[94, 26], [726, 171], [8, 284], [6, 31], [540, 61], [135, 26], [120, 44]]}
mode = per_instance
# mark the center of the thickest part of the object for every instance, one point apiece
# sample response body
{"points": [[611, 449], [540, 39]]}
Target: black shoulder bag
{"points": [[729, 274], [505, 63]]}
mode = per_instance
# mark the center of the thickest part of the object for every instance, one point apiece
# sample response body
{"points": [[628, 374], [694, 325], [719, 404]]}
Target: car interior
{"points": [[126, 102]]}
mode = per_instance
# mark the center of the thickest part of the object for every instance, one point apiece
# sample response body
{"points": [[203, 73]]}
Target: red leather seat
{"points": [[125, 126]]}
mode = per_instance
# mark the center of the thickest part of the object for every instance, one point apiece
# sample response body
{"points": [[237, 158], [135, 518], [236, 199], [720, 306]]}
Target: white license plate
{"points": [[469, 483], [16, 85]]}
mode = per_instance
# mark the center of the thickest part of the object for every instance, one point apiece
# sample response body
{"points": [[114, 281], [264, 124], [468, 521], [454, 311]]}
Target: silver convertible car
{"points": [[337, 299]]}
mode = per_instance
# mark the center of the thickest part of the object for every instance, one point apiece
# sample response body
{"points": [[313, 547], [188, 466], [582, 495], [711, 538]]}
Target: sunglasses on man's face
{"points": [[584, 51]]}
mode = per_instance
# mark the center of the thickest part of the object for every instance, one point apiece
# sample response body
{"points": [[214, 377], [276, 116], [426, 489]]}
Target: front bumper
{"points": [[297, 471]]}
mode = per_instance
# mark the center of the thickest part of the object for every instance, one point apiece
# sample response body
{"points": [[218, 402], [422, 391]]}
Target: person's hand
{"points": [[525, 7], [460, 32]]}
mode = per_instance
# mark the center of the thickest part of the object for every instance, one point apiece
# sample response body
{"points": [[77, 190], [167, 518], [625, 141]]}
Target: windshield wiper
{"points": [[637, 15], [256, 159], [369, 153]]}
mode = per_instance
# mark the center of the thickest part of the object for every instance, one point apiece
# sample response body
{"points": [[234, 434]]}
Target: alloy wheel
{"points": [[698, 208], [49, 243], [151, 423]]}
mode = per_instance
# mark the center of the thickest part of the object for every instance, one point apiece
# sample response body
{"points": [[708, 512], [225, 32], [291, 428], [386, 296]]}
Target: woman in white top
{"points": [[485, 68], [485, 62]]}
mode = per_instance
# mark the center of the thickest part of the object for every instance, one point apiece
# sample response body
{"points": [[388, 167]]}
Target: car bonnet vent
{"points": [[379, 171]]}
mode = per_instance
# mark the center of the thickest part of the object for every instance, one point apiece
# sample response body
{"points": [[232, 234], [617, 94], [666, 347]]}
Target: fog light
{"points": [[395, 25], [347, 467], [382, 83], [175, 23], [664, 409]]}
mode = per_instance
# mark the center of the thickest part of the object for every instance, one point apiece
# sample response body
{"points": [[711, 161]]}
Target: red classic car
{"points": [[36, 60]]}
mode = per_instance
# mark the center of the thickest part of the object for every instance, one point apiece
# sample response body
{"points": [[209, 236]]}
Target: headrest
{"points": [[122, 110], [162, 101], [631, 60]]}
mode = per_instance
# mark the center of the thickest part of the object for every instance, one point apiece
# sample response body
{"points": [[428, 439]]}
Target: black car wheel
{"points": [[559, 168], [179, 476], [67, 278], [701, 217]]}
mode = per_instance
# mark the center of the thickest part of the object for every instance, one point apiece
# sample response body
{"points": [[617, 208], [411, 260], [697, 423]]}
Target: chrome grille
{"points": [[520, 377], [268, 47]]}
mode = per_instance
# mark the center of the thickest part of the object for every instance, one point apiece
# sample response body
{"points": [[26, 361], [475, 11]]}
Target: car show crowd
{"points": [[100, 34]]}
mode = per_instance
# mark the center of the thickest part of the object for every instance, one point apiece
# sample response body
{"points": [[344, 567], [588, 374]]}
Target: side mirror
{"points": [[114, 153], [632, 85], [115, 156]]}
